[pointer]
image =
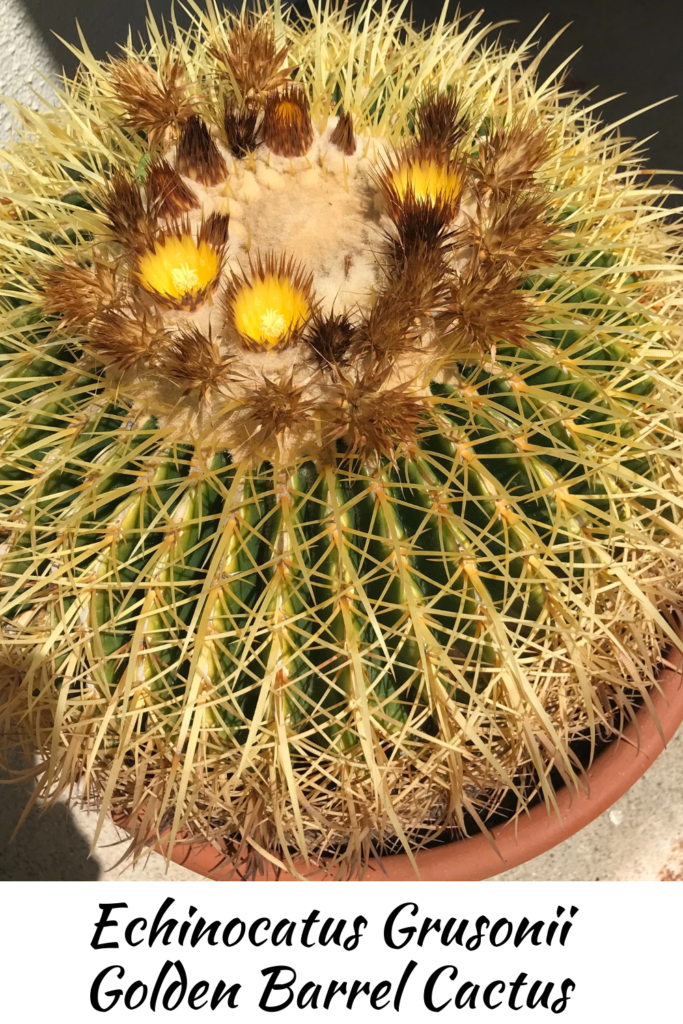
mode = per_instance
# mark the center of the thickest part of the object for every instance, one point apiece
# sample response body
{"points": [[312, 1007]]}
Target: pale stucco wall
{"points": [[24, 59]]}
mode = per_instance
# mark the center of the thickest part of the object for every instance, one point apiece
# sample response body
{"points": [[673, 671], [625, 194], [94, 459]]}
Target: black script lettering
{"points": [[283, 932], [333, 989], [275, 985], [137, 922], [408, 931], [431, 984], [227, 992], [129, 998], [103, 923], [502, 922], [309, 921], [519, 982], [114, 994], [410, 967], [236, 922], [466, 996], [380, 991], [186, 925], [560, 1005], [488, 992], [254, 927], [357, 988], [359, 926], [474, 941], [309, 995], [567, 925], [532, 1002], [197, 992]]}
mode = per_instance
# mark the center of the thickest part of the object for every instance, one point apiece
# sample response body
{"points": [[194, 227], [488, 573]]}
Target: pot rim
{"points": [[612, 774]]}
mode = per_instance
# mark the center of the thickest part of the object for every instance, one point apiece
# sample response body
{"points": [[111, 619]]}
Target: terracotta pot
{"points": [[613, 773]]}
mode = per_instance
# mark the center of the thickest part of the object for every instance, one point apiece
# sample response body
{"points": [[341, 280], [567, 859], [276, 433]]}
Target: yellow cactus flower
{"points": [[427, 179], [271, 307], [178, 271]]}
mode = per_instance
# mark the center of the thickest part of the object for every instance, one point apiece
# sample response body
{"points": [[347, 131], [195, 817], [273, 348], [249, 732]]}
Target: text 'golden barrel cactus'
{"points": [[341, 445]]}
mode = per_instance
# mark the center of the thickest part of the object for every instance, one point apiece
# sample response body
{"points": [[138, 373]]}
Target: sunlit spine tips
{"points": [[287, 126], [268, 307], [167, 194], [241, 124], [343, 136], [198, 155]]}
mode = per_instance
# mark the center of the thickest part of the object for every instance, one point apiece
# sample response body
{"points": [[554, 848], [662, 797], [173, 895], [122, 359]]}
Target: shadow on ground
{"points": [[49, 847]]}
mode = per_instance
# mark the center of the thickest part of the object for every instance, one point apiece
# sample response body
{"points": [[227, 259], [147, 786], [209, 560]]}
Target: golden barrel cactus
{"points": [[341, 445]]}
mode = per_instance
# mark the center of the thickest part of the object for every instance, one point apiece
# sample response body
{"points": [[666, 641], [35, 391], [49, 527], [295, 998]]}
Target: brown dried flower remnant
{"points": [[420, 227], [330, 338], [402, 310], [276, 407], [510, 156], [377, 421], [198, 155], [287, 127], [214, 231], [241, 125], [129, 219], [77, 293], [253, 59], [343, 136], [194, 362], [167, 194], [121, 337], [484, 306], [156, 103], [515, 231], [439, 122]]}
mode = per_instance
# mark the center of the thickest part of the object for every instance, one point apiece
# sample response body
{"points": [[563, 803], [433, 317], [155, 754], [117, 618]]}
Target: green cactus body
{"points": [[341, 454]]}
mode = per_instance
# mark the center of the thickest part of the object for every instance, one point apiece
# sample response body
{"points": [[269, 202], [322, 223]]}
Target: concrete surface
{"points": [[641, 837], [25, 58]]}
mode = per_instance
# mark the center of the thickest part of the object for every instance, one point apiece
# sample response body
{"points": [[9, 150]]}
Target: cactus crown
{"points": [[340, 413]]}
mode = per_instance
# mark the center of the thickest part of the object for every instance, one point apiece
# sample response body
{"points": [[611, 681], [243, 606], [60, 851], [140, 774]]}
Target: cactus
{"points": [[341, 453]]}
